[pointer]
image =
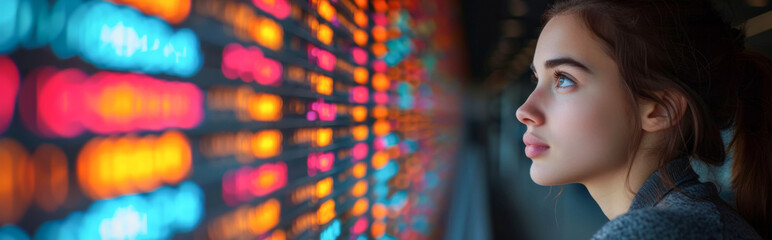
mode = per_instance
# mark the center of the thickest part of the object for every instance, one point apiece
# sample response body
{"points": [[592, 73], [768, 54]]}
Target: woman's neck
{"points": [[611, 191]]}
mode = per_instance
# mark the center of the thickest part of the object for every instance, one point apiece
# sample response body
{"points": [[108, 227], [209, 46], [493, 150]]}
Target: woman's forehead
{"points": [[566, 36]]}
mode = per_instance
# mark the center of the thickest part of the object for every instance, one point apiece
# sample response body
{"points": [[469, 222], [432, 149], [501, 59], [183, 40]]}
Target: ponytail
{"points": [[752, 141]]}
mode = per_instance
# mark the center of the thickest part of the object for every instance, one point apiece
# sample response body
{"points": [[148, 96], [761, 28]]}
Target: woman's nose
{"points": [[528, 114]]}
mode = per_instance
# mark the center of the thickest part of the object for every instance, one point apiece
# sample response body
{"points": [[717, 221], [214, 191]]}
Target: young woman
{"points": [[628, 93]]}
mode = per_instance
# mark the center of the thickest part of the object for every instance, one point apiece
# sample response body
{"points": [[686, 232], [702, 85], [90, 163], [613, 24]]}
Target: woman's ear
{"points": [[656, 116]]}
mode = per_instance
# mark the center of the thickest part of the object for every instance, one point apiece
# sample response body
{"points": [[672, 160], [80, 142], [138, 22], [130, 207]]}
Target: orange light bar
{"points": [[361, 75], [265, 217], [360, 188], [323, 187], [360, 37], [173, 11], [324, 34], [265, 107], [326, 212], [359, 113], [326, 10], [323, 137], [360, 207], [17, 181], [381, 82], [360, 18], [51, 177], [360, 132], [381, 127], [359, 170], [266, 143], [113, 166]]}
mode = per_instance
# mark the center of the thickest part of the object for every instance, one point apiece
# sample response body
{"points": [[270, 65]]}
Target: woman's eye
{"points": [[564, 82]]}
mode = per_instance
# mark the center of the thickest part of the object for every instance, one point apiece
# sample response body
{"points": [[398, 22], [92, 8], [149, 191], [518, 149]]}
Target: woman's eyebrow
{"points": [[564, 61]]}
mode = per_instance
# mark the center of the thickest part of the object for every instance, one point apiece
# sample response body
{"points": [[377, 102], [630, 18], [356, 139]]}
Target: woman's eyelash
{"points": [[560, 75], [557, 75]]}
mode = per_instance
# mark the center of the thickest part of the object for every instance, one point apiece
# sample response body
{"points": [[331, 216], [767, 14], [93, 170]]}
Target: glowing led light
{"points": [[381, 127], [360, 207], [268, 178], [322, 58], [359, 226], [269, 34], [379, 49], [265, 107], [360, 37], [331, 232], [321, 111], [360, 18], [103, 164], [379, 66], [326, 212], [9, 79], [324, 34], [51, 177], [8, 21], [381, 97], [323, 137], [359, 94], [323, 83], [324, 187], [380, 19], [379, 160], [134, 216], [359, 113], [379, 211], [326, 10], [387, 172], [379, 34], [378, 229], [278, 234], [359, 55], [360, 188], [359, 151], [12, 232], [361, 75], [320, 162], [65, 102], [173, 11], [360, 132], [121, 38], [381, 82], [246, 183], [380, 112], [361, 3], [380, 5], [17, 181], [278, 8], [359, 170], [249, 64], [266, 143]]}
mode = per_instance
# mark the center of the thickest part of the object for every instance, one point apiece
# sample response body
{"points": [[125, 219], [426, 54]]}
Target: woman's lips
{"points": [[532, 151], [534, 146]]}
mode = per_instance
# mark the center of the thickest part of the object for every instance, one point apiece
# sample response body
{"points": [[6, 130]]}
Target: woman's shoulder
{"points": [[661, 223], [680, 215]]}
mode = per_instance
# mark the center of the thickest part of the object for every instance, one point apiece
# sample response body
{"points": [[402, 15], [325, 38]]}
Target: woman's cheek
{"points": [[586, 138]]}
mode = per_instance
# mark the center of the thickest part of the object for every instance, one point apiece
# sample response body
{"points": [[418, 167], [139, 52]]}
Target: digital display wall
{"points": [[227, 119]]}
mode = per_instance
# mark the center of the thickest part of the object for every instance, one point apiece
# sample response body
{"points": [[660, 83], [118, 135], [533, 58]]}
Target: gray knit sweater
{"points": [[676, 215]]}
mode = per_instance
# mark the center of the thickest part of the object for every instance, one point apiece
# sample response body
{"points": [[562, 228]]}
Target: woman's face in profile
{"points": [[578, 116]]}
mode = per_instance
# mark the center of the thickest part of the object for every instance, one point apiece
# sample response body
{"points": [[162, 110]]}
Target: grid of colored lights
{"points": [[330, 133]]}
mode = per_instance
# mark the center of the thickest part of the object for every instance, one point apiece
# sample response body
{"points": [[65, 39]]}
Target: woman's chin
{"points": [[543, 176]]}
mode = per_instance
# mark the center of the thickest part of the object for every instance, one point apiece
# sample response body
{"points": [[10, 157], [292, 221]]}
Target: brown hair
{"points": [[686, 47]]}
